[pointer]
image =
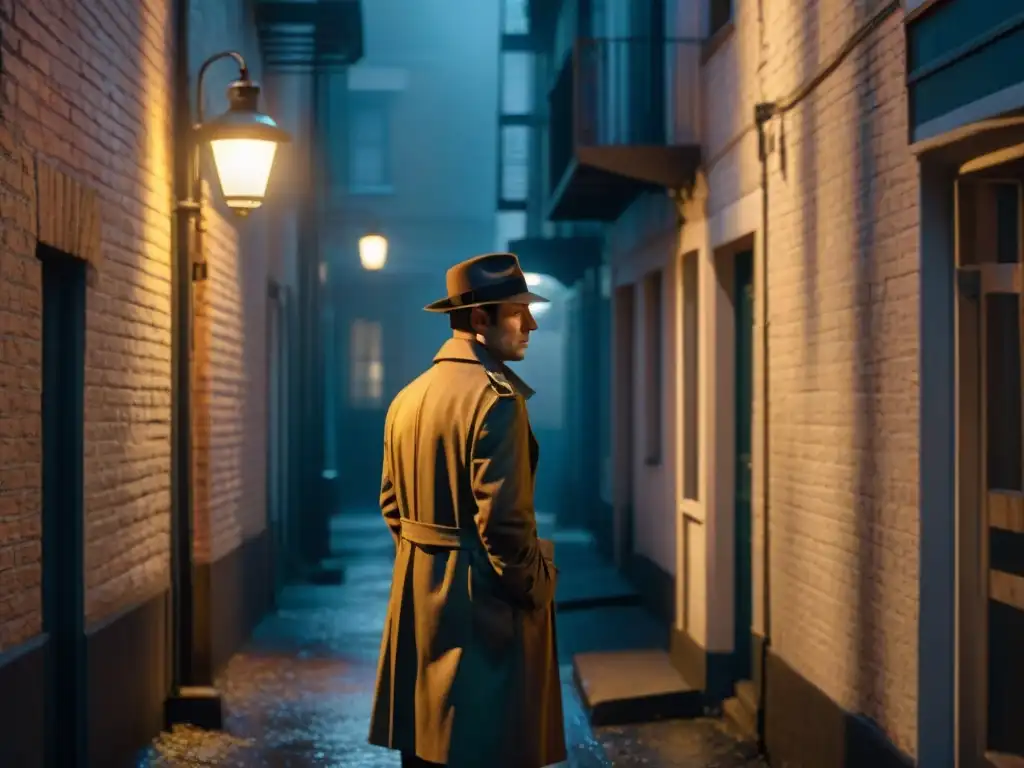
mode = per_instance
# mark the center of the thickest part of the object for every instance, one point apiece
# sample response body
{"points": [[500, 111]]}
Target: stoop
{"points": [[633, 686]]}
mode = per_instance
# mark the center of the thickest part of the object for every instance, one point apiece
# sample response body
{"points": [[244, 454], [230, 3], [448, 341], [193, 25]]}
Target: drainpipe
{"points": [[762, 114], [181, 354]]}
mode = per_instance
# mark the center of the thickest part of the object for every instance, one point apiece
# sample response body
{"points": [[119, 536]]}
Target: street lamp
{"points": [[373, 251], [243, 141]]}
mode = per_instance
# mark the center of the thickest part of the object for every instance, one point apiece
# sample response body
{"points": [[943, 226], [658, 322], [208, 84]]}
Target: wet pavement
{"points": [[299, 694]]}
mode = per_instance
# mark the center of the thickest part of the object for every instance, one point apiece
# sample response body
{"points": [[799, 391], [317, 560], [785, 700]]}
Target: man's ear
{"points": [[479, 320]]}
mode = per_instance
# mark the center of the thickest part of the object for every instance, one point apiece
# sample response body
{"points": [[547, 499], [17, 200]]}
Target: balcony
{"points": [[300, 36], [564, 258], [623, 120]]}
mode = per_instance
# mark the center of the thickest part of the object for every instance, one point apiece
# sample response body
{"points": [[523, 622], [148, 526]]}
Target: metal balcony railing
{"points": [[624, 92]]}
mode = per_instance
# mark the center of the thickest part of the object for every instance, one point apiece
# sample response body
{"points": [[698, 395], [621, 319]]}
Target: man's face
{"points": [[509, 335]]}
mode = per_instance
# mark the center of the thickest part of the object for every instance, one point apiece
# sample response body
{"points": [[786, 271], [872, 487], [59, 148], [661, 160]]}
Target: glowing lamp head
{"points": [[244, 144], [373, 251]]}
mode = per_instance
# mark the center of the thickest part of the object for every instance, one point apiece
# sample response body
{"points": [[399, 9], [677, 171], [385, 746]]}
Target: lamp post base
{"points": [[200, 706]]}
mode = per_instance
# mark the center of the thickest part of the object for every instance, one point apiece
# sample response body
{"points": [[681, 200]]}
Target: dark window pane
{"points": [[1003, 401], [967, 223], [1007, 223]]}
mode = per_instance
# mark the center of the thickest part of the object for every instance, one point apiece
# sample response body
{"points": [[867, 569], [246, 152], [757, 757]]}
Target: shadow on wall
{"points": [[854, 384]]}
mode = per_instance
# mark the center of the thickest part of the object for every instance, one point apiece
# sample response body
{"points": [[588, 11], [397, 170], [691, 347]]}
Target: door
{"points": [[623, 438], [277, 443], [63, 507], [991, 472], [743, 307]]}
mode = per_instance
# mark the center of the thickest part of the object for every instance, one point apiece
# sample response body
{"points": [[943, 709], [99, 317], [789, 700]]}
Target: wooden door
{"points": [[991, 476]]}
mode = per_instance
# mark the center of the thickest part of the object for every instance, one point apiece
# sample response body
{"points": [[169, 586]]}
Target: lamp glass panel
{"points": [[373, 251], [243, 166]]}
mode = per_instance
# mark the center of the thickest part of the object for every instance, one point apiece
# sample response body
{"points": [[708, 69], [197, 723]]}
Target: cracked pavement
{"points": [[299, 693]]}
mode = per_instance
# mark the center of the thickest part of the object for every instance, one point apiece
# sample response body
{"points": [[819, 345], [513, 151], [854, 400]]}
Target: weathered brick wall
{"points": [[19, 390], [842, 264], [86, 89], [229, 367]]}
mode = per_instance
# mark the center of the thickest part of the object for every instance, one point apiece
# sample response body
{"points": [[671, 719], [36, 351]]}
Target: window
{"points": [[510, 225], [516, 83], [691, 361], [366, 368], [1003, 363], [652, 367], [515, 163], [719, 14], [1007, 215], [369, 147], [515, 17]]}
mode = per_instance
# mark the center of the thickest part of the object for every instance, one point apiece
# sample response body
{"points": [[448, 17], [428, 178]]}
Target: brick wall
{"points": [[230, 353], [842, 272], [86, 89]]}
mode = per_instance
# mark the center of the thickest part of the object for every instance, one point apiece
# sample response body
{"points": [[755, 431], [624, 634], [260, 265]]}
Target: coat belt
{"points": [[433, 535]]}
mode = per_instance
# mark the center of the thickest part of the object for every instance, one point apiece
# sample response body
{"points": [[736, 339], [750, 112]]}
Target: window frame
{"points": [[365, 393], [380, 104]]}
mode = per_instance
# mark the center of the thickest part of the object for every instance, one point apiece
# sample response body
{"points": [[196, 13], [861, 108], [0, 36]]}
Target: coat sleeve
{"points": [[505, 516], [388, 496]]}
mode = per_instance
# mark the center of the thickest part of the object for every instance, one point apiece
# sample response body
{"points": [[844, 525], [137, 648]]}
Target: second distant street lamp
{"points": [[373, 251]]}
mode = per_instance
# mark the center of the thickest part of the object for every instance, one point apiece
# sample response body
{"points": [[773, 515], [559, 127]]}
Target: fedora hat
{"points": [[492, 278]]}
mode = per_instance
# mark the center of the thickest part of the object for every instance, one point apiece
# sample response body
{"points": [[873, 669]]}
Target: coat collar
{"points": [[465, 350]]}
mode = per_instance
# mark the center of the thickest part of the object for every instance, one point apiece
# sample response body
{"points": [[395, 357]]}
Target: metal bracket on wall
{"points": [[679, 199], [200, 271]]}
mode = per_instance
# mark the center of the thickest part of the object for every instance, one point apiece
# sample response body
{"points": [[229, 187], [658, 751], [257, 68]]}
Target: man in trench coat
{"points": [[468, 670]]}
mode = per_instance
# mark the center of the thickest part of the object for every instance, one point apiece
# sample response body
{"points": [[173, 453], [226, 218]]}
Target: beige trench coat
{"points": [[468, 671]]}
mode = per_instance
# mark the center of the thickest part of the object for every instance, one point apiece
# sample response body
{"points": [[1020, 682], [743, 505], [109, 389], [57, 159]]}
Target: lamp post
{"points": [[244, 143]]}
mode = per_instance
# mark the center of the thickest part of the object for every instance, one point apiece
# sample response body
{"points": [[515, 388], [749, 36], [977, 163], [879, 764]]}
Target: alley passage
{"points": [[300, 693]]}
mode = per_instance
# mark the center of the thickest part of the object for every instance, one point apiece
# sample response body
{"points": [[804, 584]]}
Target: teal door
{"points": [[63, 408], [744, 390]]}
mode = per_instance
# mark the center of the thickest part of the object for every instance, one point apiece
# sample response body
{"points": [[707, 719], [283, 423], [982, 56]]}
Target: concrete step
{"points": [[736, 713], [746, 692], [633, 686], [999, 760]]}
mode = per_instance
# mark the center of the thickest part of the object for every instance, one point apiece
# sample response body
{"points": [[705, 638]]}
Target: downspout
{"points": [[181, 361], [763, 114]]}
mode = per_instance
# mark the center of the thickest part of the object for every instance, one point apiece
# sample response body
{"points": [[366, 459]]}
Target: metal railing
{"points": [[626, 91]]}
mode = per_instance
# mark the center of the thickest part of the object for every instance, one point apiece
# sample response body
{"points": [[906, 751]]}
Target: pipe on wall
{"points": [[181, 644], [762, 114]]}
